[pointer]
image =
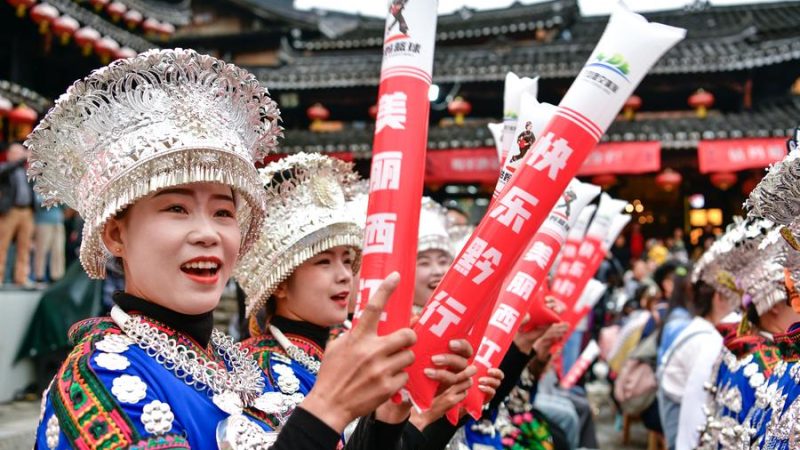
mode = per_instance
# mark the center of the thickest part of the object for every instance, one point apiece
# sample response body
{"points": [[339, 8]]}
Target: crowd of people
{"points": [[697, 344]]}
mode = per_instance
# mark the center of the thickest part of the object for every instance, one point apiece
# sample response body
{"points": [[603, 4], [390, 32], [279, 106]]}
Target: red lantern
{"points": [[132, 18], [459, 108], [105, 47], [723, 180], [669, 179], [166, 30], [373, 112], [5, 108], [21, 6], [150, 27], [124, 52], [99, 4], [605, 180], [43, 15], [85, 38], [116, 10], [64, 27], [20, 121], [632, 105], [318, 112], [701, 101]]}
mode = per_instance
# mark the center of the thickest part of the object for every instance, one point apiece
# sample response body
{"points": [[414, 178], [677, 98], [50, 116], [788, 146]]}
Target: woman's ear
{"points": [[280, 292], [112, 237]]}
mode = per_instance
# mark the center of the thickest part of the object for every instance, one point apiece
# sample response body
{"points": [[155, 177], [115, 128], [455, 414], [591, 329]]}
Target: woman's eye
{"points": [[323, 261], [225, 213], [176, 209]]}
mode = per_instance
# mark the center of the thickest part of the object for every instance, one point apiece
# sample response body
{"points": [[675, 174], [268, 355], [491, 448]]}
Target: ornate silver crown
{"points": [[309, 211], [776, 196], [434, 228], [161, 119]]}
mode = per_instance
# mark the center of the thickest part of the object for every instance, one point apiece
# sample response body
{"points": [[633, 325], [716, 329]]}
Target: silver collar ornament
{"points": [[231, 391]]}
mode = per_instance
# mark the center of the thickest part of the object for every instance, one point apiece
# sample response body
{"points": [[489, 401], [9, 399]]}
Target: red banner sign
{"points": [[730, 155], [623, 157], [475, 165]]}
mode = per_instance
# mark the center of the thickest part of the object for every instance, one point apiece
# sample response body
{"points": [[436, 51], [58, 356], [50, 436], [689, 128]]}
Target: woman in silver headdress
{"points": [[156, 153], [298, 281]]}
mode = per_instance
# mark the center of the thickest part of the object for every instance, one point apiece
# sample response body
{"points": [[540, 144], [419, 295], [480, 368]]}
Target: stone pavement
{"points": [[18, 424]]}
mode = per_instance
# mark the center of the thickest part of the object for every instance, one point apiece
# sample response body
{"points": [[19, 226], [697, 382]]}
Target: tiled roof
{"points": [[775, 120]]}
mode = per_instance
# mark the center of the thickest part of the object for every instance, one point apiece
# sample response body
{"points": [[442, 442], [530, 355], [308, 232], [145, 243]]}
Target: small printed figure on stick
{"points": [[396, 10], [524, 141]]}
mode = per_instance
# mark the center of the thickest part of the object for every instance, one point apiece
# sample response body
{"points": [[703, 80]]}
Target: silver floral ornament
{"points": [[112, 361], [114, 343], [157, 417], [129, 389], [52, 432]]}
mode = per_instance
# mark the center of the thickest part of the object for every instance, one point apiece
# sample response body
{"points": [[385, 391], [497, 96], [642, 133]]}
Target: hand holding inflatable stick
{"points": [[626, 51]]}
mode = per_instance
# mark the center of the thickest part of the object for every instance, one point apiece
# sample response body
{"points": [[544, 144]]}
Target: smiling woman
{"points": [[157, 154]]}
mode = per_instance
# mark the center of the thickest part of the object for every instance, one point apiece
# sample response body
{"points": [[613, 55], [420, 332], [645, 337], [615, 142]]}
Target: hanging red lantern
{"points": [[116, 10], [459, 108], [317, 113], [20, 122], [150, 27], [105, 48], [373, 112], [132, 18], [669, 179], [124, 52], [21, 6], [5, 108], [723, 180], [166, 30], [701, 100], [43, 15], [64, 27], [605, 180], [632, 105], [99, 4], [85, 38]]}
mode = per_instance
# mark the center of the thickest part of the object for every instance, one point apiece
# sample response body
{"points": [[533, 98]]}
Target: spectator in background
{"points": [[622, 252], [637, 241], [16, 213], [49, 242]]}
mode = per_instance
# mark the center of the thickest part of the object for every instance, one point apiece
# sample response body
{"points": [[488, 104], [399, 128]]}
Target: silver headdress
{"points": [[776, 196], [163, 118], [308, 212], [434, 228]]}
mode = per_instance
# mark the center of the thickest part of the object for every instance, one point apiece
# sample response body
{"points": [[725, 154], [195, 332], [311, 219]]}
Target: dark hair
{"points": [[663, 271], [752, 314], [702, 299]]}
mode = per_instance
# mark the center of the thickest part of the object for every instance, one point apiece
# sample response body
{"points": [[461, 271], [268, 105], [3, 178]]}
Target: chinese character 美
{"points": [[522, 284], [379, 233], [391, 111], [511, 208], [385, 172], [550, 155], [448, 308], [478, 255], [540, 253]]}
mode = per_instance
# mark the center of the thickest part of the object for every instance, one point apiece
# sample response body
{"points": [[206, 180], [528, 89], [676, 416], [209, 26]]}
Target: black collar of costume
{"points": [[197, 326], [317, 334]]}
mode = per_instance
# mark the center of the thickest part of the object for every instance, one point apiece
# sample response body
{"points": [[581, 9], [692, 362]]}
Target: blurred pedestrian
{"points": [[16, 213]]}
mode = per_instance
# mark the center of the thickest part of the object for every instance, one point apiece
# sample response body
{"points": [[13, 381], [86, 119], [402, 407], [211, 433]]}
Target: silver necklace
{"points": [[295, 352], [243, 383]]}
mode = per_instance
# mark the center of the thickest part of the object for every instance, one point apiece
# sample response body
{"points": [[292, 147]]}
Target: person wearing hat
{"points": [[751, 267], [775, 199], [157, 154], [298, 283], [434, 251]]}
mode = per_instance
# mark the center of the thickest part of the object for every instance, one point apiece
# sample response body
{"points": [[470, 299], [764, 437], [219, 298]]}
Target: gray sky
{"points": [[588, 7]]}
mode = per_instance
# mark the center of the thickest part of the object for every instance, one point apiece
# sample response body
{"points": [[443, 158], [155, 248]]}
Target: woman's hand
{"points": [[490, 383], [551, 335], [361, 370]]}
